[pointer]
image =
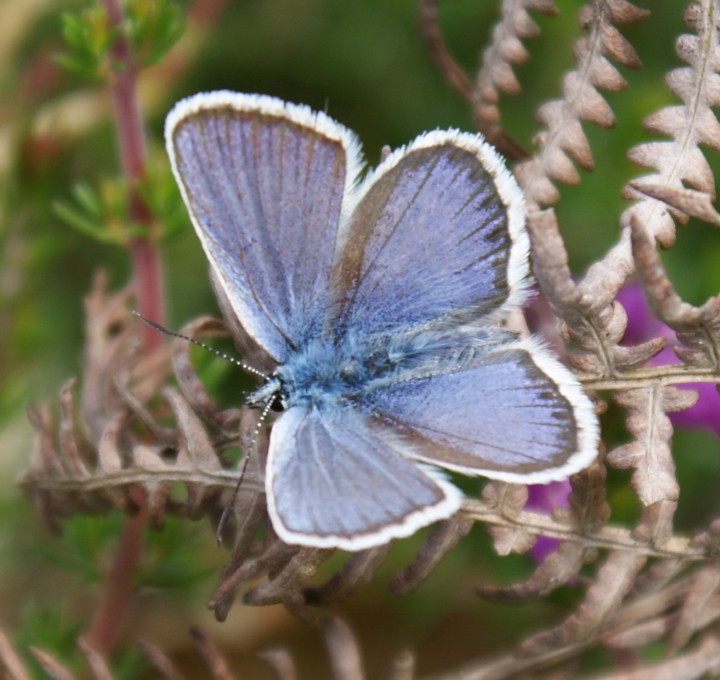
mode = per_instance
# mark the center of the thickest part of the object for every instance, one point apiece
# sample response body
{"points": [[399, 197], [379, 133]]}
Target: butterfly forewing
{"points": [[264, 183], [437, 231]]}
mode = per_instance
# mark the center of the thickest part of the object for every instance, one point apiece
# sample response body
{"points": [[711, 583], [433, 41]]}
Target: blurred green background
{"points": [[365, 64]]}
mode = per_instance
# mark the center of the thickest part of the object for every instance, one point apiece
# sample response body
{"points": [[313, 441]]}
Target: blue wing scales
{"points": [[513, 413], [332, 481], [264, 183], [437, 232]]}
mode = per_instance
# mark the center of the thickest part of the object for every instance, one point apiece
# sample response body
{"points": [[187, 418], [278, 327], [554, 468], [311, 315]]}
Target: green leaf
{"points": [[84, 223], [50, 629], [102, 212], [153, 27], [88, 38], [160, 193], [173, 558], [85, 545]]}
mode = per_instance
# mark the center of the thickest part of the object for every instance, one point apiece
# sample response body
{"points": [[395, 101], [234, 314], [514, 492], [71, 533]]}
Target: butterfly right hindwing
{"points": [[333, 481]]}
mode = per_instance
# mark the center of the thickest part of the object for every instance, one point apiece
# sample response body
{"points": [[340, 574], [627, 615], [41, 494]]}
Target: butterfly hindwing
{"points": [[512, 413], [333, 481]]}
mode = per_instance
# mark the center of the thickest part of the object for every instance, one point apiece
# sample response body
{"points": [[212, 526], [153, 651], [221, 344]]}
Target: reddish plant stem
{"points": [[146, 266], [147, 277], [449, 68], [111, 615]]}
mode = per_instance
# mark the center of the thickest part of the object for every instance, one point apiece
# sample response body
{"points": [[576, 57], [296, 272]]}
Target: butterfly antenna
{"points": [[231, 503], [174, 334], [263, 416]]}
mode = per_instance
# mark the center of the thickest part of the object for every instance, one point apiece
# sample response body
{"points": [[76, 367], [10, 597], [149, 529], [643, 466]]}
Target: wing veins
{"points": [[494, 447], [371, 265]]}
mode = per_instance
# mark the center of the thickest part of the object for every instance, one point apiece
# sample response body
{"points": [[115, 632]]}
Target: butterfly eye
{"points": [[272, 395], [349, 369], [278, 402], [278, 399]]}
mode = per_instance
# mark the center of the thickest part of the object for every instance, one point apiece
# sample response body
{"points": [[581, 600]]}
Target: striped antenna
{"points": [[231, 503], [174, 334], [263, 416]]}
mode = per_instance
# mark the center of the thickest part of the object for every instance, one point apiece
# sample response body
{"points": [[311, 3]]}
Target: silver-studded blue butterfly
{"points": [[378, 305]]}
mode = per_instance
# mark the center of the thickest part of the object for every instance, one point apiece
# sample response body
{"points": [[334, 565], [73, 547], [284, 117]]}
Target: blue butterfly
{"points": [[378, 305]]}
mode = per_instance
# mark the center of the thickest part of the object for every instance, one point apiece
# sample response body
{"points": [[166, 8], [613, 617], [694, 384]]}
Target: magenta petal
{"points": [[641, 324], [545, 497], [705, 413], [641, 327]]}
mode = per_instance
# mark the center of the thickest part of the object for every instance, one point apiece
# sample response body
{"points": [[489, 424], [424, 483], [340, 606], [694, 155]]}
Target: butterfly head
{"points": [[273, 394]]}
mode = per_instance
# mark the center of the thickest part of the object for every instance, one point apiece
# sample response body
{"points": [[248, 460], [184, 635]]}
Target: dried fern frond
{"points": [[342, 647], [495, 74], [683, 180], [108, 441], [683, 176], [563, 141], [698, 328], [628, 624], [650, 455], [592, 321]]}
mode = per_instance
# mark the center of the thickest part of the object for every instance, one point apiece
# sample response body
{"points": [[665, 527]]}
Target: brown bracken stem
{"points": [[449, 68], [458, 79]]}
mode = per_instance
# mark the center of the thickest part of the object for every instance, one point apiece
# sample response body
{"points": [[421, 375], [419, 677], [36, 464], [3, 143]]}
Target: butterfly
{"points": [[378, 306]]}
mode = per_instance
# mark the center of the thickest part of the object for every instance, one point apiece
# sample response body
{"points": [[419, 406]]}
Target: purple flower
{"points": [[543, 498], [705, 414], [643, 326]]}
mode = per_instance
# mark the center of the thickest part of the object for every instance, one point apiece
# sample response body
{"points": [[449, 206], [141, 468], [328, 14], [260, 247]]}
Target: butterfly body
{"points": [[344, 372], [380, 306]]}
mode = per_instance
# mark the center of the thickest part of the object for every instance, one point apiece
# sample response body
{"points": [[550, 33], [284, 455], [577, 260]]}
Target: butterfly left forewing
{"points": [[264, 183], [437, 231]]}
